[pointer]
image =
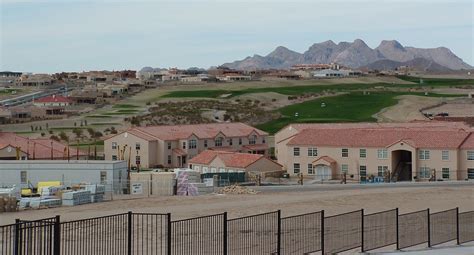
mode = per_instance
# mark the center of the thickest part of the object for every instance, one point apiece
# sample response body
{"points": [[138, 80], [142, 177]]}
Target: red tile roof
{"points": [[202, 131], [40, 146], [381, 137], [53, 99], [230, 159]]}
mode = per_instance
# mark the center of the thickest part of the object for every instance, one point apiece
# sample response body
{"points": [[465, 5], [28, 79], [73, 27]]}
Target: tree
{"points": [[77, 132], [91, 132], [85, 122], [55, 138], [63, 136], [98, 134]]}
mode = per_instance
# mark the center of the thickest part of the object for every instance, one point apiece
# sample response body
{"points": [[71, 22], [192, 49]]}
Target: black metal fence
{"points": [[267, 233]]}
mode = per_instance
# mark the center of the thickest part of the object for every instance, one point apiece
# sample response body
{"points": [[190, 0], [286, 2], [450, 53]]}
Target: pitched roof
{"points": [[468, 142], [53, 99], [40, 146], [380, 137], [230, 159], [202, 131]]}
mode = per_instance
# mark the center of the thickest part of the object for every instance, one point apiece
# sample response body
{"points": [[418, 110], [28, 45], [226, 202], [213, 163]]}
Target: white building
{"points": [[22, 172]]}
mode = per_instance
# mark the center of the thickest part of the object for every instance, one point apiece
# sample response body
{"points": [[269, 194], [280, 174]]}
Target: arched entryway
{"points": [[402, 163], [322, 172]]}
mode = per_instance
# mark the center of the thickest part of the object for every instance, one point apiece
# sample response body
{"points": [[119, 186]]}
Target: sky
{"points": [[78, 35]]}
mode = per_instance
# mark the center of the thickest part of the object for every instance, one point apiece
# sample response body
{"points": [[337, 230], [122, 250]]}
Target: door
{"points": [[323, 172]]}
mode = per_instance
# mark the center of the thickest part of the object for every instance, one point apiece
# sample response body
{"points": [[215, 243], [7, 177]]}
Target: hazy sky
{"points": [[74, 35]]}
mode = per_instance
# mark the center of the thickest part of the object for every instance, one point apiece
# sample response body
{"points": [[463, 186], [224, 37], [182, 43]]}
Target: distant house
{"points": [[40, 148], [53, 101], [35, 80], [328, 73], [234, 77], [213, 161]]}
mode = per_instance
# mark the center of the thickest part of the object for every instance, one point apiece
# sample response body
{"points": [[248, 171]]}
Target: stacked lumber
{"points": [[237, 190]]}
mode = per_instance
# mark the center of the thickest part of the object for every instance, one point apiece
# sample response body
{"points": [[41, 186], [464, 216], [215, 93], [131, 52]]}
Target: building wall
{"points": [[464, 163], [372, 162], [155, 153], [282, 137], [69, 173]]}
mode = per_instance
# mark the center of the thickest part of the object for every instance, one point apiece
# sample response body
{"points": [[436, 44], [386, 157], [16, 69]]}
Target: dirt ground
{"points": [[407, 109], [457, 108], [407, 199]]}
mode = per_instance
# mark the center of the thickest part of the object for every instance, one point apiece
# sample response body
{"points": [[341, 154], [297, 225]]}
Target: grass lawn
{"points": [[353, 107]]}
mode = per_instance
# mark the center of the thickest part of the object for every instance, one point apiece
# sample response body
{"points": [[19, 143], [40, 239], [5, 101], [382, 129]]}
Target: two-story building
{"points": [[410, 151], [173, 146]]}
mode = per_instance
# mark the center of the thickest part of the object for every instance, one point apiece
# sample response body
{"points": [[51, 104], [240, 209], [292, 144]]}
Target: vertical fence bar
{"points": [[322, 232], [429, 227], [57, 236], [279, 233], [362, 230], [129, 236], [397, 232], [225, 233], [457, 226], [168, 216], [17, 237]]}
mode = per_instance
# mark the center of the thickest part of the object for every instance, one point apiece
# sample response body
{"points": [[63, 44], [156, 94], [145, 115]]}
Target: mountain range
{"points": [[387, 56]]}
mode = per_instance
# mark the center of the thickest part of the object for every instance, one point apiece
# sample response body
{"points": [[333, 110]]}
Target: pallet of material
{"points": [[76, 197], [45, 203]]}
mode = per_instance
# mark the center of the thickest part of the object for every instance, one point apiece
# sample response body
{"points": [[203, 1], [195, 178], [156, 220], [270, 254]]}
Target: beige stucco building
{"points": [[213, 161], [410, 151], [173, 146]]}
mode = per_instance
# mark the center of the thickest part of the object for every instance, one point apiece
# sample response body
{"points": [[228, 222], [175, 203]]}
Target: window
{"points": [[137, 146], [345, 153], [296, 168], [424, 154], [253, 139], [114, 145], [169, 145], [230, 141], [205, 143], [312, 152], [470, 155], [445, 155], [263, 140], [103, 177], [381, 170], [310, 169], [382, 154], [363, 153], [445, 173], [344, 168], [205, 169], [470, 173], [425, 172], [296, 151], [23, 177], [363, 173], [137, 160], [192, 144], [114, 157], [218, 142], [184, 145], [240, 141], [169, 159]]}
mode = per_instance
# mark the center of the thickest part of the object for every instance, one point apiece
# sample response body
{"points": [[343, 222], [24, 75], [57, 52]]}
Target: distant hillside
{"points": [[356, 54]]}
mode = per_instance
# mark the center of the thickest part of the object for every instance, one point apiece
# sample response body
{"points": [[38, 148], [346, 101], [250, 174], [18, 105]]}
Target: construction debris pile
{"points": [[237, 190]]}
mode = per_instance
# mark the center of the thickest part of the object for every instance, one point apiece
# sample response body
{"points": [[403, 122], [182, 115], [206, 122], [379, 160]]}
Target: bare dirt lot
{"points": [[407, 109], [407, 199]]}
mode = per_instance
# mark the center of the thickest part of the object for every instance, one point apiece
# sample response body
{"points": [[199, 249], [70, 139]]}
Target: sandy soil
{"points": [[457, 108], [407, 199], [407, 109], [453, 91]]}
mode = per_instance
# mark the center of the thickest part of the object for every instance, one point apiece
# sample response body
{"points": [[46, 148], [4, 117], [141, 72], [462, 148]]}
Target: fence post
{"points": [[225, 233], [429, 227], [129, 235], [396, 222], [322, 232], [57, 236], [457, 226], [362, 230], [17, 237], [169, 233], [279, 233]]}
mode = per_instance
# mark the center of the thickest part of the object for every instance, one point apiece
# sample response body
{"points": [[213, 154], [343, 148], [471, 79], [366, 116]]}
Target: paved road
{"points": [[325, 187]]}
